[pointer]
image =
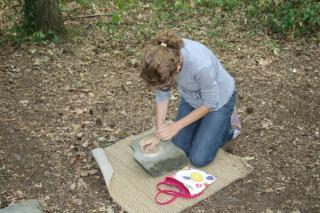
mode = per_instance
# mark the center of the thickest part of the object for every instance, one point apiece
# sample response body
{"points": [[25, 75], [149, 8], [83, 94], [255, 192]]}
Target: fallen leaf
{"points": [[268, 190], [19, 193], [276, 51], [123, 113], [92, 171], [41, 60], [79, 111], [85, 144], [108, 129], [33, 51], [268, 211], [72, 186], [76, 127], [79, 135], [24, 102], [247, 158], [84, 173], [39, 185], [101, 139], [266, 123]]}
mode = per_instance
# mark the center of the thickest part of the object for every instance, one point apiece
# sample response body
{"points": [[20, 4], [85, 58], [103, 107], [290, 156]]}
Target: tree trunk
{"points": [[44, 15]]}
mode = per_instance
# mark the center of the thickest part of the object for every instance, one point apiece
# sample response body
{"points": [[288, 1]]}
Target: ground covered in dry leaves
{"points": [[59, 101]]}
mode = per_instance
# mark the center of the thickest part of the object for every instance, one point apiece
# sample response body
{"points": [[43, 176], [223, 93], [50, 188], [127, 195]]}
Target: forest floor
{"points": [[56, 100]]}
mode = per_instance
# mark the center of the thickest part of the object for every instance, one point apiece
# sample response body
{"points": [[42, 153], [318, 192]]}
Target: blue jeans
{"points": [[202, 139]]}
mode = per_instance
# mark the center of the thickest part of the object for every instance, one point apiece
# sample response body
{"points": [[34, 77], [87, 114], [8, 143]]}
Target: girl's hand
{"points": [[148, 145], [166, 132]]}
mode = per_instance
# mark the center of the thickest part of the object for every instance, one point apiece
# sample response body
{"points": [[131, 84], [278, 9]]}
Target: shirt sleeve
{"points": [[162, 95], [209, 88]]}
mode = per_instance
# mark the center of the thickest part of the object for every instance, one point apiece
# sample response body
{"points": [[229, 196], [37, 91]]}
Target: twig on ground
{"points": [[78, 90], [99, 102], [125, 88], [87, 16], [312, 196]]}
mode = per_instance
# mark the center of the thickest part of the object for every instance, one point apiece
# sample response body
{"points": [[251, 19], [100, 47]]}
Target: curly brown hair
{"points": [[159, 62]]}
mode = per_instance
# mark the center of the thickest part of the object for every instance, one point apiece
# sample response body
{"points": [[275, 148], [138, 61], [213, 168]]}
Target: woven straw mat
{"points": [[134, 190]]}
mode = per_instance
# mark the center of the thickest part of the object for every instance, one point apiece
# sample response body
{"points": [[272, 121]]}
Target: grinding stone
{"points": [[170, 157]]}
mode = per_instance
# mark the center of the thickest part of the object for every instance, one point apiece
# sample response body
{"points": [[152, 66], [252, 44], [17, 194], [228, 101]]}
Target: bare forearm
{"points": [[192, 116], [161, 113]]}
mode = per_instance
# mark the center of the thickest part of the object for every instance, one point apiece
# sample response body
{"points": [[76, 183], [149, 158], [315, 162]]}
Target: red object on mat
{"points": [[170, 181]]}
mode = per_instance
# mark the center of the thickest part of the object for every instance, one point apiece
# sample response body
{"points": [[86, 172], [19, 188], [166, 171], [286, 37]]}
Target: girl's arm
{"points": [[170, 130], [192, 116], [161, 113]]}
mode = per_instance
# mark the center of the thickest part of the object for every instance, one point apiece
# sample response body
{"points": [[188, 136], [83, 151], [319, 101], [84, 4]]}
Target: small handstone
{"points": [[155, 149]]}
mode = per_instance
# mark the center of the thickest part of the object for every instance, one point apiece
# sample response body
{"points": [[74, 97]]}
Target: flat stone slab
{"points": [[25, 206], [168, 158]]}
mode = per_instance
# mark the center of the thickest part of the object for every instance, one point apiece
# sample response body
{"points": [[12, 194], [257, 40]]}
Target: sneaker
{"points": [[235, 123]]}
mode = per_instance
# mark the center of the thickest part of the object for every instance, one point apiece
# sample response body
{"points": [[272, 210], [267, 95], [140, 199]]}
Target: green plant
{"points": [[286, 17], [213, 33], [224, 4], [114, 22], [181, 5], [125, 4], [101, 24], [17, 35], [41, 37], [275, 47], [145, 32], [121, 4], [38, 37], [160, 4], [23, 27], [115, 19], [190, 28], [52, 36], [84, 3], [221, 43]]}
